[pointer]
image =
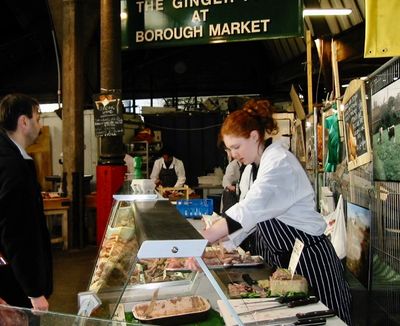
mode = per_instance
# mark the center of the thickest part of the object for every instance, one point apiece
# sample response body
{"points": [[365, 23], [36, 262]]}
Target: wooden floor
{"points": [[72, 271]]}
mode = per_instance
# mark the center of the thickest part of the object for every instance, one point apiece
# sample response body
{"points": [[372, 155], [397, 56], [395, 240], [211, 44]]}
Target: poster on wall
{"points": [[356, 130], [108, 119], [358, 242], [284, 122], [310, 152], [298, 147], [385, 111]]}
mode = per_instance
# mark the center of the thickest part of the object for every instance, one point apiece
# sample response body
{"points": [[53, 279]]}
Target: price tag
{"points": [[88, 301], [120, 314], [294, 258], [383, 193]]}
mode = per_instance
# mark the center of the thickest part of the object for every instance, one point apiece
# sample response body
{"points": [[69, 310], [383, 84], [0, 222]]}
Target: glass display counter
{"points": [[15, 316], [140, 271]]}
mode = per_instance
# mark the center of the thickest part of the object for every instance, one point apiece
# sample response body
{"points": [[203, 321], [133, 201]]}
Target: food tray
{"points": [[258, 260], [167, 312]]}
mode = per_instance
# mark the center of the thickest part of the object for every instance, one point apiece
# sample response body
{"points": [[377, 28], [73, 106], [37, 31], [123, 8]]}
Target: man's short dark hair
{"points": [[166, 151], [12, 106]]}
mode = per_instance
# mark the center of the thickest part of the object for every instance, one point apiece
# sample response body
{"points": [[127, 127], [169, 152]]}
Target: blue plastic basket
{"points": [[194, 208]]}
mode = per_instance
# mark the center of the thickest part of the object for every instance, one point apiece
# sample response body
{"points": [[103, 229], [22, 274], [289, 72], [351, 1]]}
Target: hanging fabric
{"points": [[336, 229], [381, 22]]}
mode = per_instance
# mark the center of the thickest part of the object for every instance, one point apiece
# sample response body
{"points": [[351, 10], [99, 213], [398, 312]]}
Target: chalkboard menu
{"points": [[108, 119], [356, 129]]}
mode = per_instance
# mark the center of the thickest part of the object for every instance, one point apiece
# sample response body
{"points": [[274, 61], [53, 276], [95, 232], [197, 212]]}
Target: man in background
{"points": [[26, 278], [168, 171]]}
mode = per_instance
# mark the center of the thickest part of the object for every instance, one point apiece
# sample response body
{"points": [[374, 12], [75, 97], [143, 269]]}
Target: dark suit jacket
{"points": [[24, 237]]}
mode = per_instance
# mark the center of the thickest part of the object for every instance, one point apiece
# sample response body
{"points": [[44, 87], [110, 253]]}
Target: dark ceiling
{"points": [[28, 60]]}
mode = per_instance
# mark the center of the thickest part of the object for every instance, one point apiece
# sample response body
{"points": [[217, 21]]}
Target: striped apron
{"points": [[318, 262]]}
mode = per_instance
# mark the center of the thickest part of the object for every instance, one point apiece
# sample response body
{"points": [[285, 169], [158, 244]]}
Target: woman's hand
{"points": [[216, 232], [40, 303]]}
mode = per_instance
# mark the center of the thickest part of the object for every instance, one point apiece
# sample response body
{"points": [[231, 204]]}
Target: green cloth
{"points": [[214, 319], [332, 159]]}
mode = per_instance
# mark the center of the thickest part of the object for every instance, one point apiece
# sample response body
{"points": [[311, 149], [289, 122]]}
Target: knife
{"points": [[247, 278], [310, 322], [290, 304], [321, 313], [309, 318]]}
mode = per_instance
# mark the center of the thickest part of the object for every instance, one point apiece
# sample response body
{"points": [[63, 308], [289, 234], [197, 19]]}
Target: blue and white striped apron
{"points": [[318, 263]]}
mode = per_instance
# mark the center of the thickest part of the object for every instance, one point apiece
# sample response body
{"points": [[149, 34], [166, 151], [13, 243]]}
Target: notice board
{"points": [[108, 119], [356, 130]]}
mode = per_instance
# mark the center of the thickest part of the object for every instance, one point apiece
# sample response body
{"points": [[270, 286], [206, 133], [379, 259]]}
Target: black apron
{"points": [[168, 177], [318, 263]]}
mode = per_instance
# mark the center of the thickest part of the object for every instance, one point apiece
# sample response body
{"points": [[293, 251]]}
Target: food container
{"points": [[143, 186], [174, 311], [195, 207]]}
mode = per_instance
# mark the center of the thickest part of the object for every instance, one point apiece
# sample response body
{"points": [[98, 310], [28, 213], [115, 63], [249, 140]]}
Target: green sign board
{"points": [[156, 23]]}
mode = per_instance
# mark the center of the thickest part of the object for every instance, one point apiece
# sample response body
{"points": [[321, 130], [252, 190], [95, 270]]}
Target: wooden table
{"points": [[207, 190], [56, 207]]}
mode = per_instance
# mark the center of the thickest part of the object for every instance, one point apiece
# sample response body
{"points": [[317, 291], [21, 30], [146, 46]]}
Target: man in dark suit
{"points": [[26, 278]]}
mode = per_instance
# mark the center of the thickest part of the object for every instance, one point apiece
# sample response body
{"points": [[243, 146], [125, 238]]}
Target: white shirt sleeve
{"points": [[180, 172], [245, 181], [232, 174], [282, 190], [156, 170]]}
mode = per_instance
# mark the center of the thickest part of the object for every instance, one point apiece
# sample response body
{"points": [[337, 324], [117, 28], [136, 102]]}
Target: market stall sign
{"points": [[167, 23], [108, 119]]}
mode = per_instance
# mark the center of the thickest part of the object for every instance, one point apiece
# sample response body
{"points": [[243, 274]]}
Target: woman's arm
{"points": [[217, 231]]}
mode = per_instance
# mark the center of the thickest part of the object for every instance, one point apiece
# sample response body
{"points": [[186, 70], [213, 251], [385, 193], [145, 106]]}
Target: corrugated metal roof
{"points": [[285, 50]]}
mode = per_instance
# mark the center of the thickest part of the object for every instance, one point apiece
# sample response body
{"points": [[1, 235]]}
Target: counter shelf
{"points": [[142, 229]]}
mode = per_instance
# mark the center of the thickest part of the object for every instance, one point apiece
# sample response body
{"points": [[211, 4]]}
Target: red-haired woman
{"points": [[279, 207]]}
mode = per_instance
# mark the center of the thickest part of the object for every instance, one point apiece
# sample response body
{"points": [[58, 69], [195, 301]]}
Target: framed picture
{"points": [[358, 242], [309, 144], [385, 108], [298, 147], [355, 123], [284, 122]]}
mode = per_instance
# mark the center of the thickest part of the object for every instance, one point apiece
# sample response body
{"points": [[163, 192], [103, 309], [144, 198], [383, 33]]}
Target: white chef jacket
{"points": [[232, 173], [175, 164], [283, 191], [245, 181]]}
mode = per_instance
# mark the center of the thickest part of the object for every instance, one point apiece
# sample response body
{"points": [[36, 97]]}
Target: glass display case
{"points": [[150, 260], [16, 316]]}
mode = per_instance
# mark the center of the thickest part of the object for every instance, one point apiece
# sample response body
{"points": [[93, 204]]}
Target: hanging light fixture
{"points": [[326, 12]]}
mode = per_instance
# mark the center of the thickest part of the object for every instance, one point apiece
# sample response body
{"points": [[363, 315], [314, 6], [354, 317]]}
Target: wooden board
{"points": [[40, 151]]}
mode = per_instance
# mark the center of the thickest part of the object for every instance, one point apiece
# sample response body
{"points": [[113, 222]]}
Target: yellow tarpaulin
{"points": [[382, 37]]}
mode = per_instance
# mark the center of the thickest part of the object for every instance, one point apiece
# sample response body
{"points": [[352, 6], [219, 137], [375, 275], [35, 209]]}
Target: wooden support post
{"points": [[309, 71], [336, 81], [335, 70]]}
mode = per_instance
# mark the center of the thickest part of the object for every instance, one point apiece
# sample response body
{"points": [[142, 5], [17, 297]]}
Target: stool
{"points": [[56, 207]]}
